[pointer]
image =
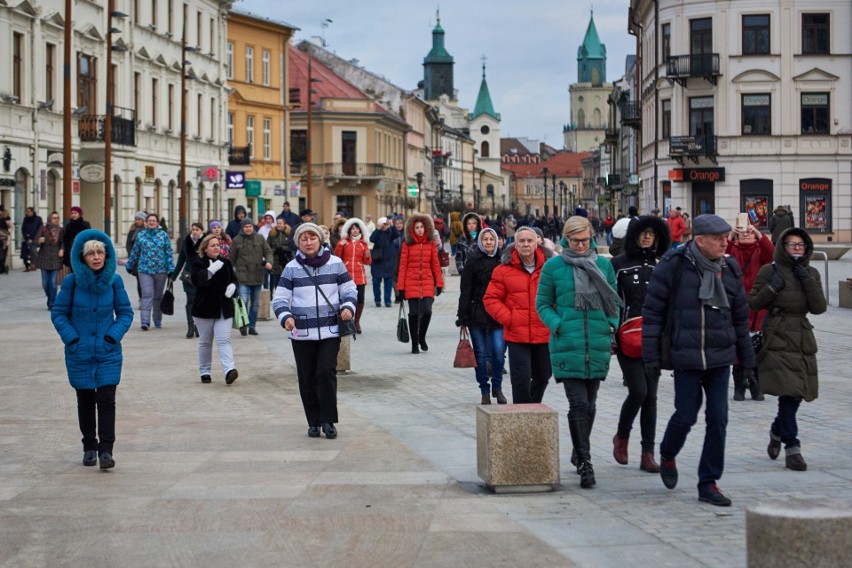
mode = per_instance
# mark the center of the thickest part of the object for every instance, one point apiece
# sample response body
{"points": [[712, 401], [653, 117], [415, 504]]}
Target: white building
{"points": [[147, 107], [746, 105]]}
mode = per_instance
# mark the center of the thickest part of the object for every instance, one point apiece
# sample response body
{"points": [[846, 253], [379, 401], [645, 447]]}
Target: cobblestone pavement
{"points": [[218, 476]]}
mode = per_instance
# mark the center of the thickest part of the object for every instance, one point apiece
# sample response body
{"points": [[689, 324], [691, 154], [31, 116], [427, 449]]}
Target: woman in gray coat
{"points": [[788, 290]]}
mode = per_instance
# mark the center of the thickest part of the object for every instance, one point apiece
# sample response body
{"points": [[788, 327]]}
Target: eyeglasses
{"points": [[577, 242], [794, 245], [649, 233]]}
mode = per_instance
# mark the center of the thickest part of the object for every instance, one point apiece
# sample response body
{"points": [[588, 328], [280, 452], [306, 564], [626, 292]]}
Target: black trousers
{"points": [[96, 414], [360, 289], [529, 370], [641, 395], [316, 367]]}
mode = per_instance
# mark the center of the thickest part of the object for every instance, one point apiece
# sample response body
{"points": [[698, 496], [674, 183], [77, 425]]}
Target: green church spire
{"points": [[483, 101], [591, 57]]}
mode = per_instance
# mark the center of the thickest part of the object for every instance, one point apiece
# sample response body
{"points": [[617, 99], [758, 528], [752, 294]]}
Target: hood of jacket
{"points": [[506, 257], [84, 276], [638, 226], [427, 223], [272, 214], [237, 210], [344, 232], [467, 216], [781, 257], [780, 211]]}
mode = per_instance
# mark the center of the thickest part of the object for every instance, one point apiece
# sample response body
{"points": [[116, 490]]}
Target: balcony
{"points": [[692, 148], [702, 65], [631, 114], [239, 155], [92, 128], [611, 136], [349, 170]]}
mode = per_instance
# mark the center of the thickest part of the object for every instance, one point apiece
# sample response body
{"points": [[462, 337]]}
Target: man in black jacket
{"points": [[709, 333], [30, 228]]}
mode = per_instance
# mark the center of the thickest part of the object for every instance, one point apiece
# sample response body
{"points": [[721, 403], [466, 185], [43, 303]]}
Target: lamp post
{"points": [[562, 188], [553, 189], [184, 49], [544, 171], [310, 160], [66, 115], [110, 102], [441, 192], [419, 177]]}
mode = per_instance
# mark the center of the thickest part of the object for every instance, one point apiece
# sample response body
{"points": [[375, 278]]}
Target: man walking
{"points": [[676, 227], [709, 315], [250, 254], [290, 217]]}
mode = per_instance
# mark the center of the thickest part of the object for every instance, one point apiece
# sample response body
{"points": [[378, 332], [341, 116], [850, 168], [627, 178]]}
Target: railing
{"points": [[631, 113], [682, 67], [349, 169], [611, 136], [239, 155], [92, 128]]}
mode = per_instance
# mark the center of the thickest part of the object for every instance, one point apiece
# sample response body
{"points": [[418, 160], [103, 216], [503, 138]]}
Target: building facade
{"points": [[745, 107]]}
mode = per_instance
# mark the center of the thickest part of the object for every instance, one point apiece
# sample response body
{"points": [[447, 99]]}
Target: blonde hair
{"points": [[93, 246], [576, 224], [205, 242]]}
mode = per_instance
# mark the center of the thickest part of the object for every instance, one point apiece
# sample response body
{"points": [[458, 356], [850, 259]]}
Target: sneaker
{"points": [[144, 327], [90, 458], [231, 376], [252, 331], [158, 324], [330, 431], [711, 494], [106, 460], [668, 473], [206, 379], [314, 432], [774, 447]]}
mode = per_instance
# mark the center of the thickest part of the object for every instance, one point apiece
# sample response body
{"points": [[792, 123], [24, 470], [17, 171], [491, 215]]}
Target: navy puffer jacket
{"points": [[703, 337]]}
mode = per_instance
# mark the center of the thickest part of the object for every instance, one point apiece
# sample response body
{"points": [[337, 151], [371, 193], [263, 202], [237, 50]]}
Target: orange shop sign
{"points": [[697, 174]]}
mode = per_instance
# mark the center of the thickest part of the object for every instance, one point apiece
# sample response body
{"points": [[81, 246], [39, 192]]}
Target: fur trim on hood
{"points": [[344, 232], [638, 226], [84, 277], [781, 254], [427, 224], [467, 216], [506, 256]]}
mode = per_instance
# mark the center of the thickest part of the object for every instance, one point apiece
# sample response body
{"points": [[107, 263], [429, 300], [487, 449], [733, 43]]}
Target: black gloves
{"points": [[439, 290], [777, 283], [652, 370], [400, 295], [801, 272], [748, 375]]}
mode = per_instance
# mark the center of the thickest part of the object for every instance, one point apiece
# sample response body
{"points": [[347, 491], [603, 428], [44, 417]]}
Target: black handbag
{"points": [[376, 253], [167, 303], [344, 327], [402, 325]]}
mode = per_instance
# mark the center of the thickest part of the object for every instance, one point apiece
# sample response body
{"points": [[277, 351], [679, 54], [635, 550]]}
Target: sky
{"points": [[530, 46]]}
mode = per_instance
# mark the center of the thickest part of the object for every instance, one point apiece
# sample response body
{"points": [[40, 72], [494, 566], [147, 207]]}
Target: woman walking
{"points": [[49, 256], [646, 240], [73, 228], [183, 270], [315, 290], [577, 302], [215, 284], [353, 249], [420, 278], [788, 290], [281, 245], [485, 332], [215, 228], [151, 260], [91, 314]]}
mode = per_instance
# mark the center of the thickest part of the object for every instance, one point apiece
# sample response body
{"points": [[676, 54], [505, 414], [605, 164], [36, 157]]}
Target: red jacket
{"points": [[419, 269], [750, 259], [510, 299], [354, 254], [676, 228]]}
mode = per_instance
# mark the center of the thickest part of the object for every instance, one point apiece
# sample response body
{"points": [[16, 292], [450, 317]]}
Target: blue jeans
{"points": [[251, 298], [488, 345], [377, 289], [688, 398], [785, 426], [48, 282]]}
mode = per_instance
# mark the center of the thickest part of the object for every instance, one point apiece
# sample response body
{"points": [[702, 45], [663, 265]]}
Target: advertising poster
{"points": [[815, 202], [815, 213], [758, 207]]}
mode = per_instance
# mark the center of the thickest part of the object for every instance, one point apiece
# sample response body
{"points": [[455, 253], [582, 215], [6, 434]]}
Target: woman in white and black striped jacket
{"points": [[302, 310]]}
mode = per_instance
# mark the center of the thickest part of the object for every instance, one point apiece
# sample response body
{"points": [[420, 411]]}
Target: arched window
{"points": [[485, 149], [581, 118], [596, 76], [597, 118]]}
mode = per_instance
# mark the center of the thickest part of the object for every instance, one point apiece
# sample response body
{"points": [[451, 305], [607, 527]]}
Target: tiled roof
{"points": [[592, 47], [563, 164]]}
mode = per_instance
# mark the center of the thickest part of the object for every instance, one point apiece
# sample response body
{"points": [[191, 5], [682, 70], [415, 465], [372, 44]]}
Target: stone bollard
{"points": [[263, 308], [517, 447], [343, 359], [799, 533]]}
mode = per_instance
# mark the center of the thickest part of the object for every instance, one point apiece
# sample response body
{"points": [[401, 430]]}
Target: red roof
{"points": [[563, 164]]}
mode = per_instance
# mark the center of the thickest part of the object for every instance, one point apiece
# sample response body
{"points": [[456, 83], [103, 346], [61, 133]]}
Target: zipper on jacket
{"points": [[316, 301], [703, 356], [586, 336]]}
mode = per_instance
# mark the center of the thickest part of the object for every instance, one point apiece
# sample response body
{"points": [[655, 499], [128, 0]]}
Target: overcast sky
{"points": [[531, 47]]}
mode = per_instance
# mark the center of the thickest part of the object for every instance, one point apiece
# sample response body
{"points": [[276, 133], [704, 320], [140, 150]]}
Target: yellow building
{"points": [[256, 66]]}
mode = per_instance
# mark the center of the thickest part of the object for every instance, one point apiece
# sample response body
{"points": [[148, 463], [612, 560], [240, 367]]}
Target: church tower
{"points": [[589, 94], [438, 68], [485, 131]]}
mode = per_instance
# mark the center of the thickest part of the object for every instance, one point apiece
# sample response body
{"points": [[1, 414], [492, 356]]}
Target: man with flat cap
{"points": [[709, 333]]}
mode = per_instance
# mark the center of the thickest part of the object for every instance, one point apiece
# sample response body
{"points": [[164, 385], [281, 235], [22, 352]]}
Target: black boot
{"points": [[414, 332], [359, 309], [754, 388], [424, 327], [575, 442], [739, 383], [190, 331]]}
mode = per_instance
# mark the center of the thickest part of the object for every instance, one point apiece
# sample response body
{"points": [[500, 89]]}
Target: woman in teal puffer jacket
{"points": [[578, 303]]}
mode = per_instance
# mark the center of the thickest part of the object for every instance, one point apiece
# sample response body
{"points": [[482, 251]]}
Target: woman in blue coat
{"points": [[91, 314]]}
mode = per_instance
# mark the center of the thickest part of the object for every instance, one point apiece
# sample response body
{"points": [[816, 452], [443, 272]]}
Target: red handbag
{"points": [[630, 337], [465, 357], [443, 258]]}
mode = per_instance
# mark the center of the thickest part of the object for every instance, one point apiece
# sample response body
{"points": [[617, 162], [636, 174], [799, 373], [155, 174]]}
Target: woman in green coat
{"points": [[577, 302], [788, 290]]}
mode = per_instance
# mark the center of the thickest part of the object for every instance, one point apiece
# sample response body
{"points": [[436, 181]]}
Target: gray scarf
{"points": [[712, 290], [591, 290]]}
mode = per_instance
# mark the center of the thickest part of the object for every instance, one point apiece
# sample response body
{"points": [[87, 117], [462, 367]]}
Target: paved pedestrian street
{"points": [[213, 475]]}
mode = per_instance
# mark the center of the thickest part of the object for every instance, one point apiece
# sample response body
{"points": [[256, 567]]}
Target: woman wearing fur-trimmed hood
{"points": [[420, 278], [471, 227], [354, 250]]}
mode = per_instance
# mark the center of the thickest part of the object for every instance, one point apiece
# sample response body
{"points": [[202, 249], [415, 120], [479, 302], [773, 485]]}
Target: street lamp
{"points": [[441, 192], [66, 115], [110, 95], [553, 189], [419, 177], [310, 160], [562, 189], [184, 49], [545, 171]]}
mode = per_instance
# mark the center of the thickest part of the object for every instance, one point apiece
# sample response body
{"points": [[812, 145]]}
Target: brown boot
{"points": [[648, 464], [619, 449], [485, 398], [359, 309], [500, 398]]}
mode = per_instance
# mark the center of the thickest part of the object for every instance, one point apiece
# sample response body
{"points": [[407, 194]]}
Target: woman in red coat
{"points": [[751, 249], [353, 250], [419, 276]]}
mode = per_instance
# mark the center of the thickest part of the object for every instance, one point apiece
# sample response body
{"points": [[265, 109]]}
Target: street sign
{"points": [[413, 190], [253, 188]]}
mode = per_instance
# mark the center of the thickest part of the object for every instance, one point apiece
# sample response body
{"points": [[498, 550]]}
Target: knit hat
{"points": [[709, 224], [78, 209], [310, 227], [139, 215], [619, 230], [246, 221], [383, 220], [213, 224]]}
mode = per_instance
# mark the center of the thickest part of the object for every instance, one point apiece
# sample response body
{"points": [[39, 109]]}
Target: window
{"points": [[212, 118], [18, 65], [87, 83], [348, 151], [249, 64], [485, 129], [155, 87], [230, 129], [757, 114], [49, 73], [171, 122], [667, 119], [154, 13], [137, 94], [485, 149], [701, 46], [265, 72], [229, 60], [198, 28], [666, 32], [250, 135], [756, 34], [815, 33], [701, 122], [298, 147], [199, 120], [815, 113], [169, 18], [267, 139], [212, 35]]}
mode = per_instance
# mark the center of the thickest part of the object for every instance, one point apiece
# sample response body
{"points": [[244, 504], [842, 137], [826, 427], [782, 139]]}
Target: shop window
{"points": [[815, 113], [756, 115], [756, 200]]}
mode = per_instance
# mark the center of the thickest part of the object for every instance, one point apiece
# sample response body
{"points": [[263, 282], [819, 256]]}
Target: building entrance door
{"points": [[703, 198]]}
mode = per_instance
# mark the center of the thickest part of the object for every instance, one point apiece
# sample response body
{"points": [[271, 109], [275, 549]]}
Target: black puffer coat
{"points": [[467, 244], [210, 301], [787, 361], [633, 267], [703, 337], [474, 282]]}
